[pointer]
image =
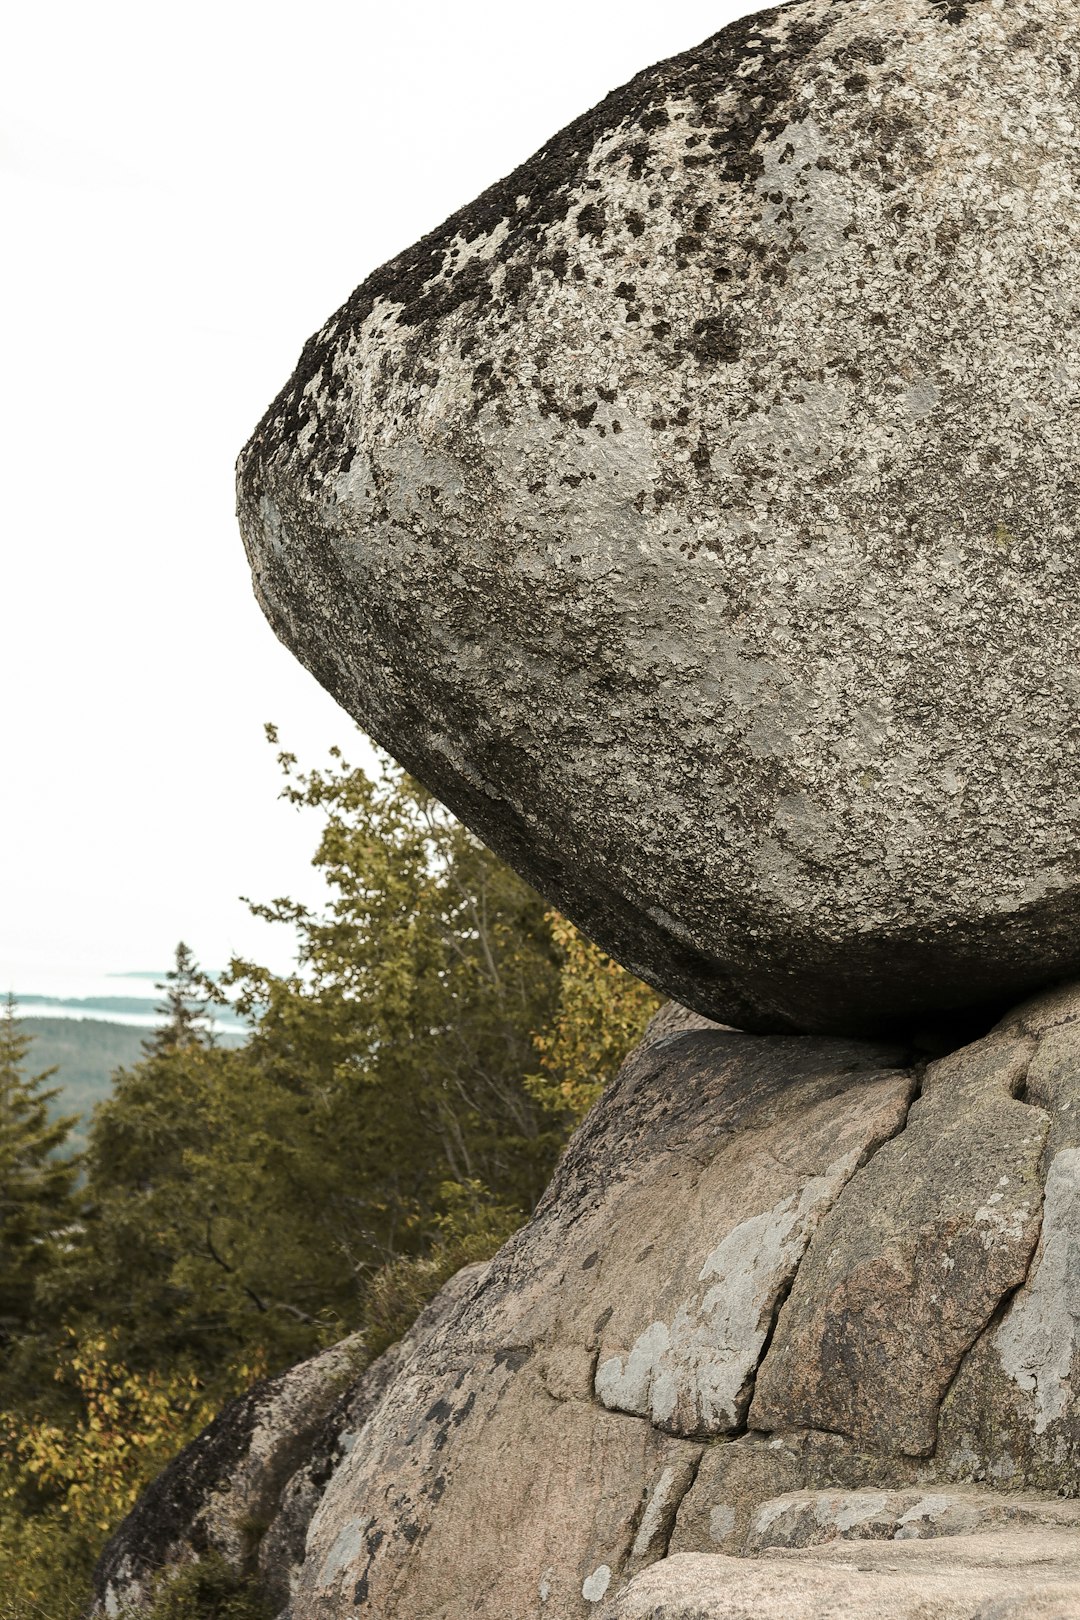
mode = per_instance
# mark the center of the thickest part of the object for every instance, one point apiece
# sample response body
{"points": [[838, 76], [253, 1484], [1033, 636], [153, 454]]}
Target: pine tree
{"points": [[243, 1198], [184, 1010], [36, 1183]]}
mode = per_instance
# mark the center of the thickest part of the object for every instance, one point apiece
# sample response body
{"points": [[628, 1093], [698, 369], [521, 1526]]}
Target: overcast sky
{"points": [[187, 193]]}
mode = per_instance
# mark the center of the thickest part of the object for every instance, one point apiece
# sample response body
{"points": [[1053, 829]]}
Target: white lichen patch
{"points": [[721, 1522], [653, 1517], [595, 1585], [344, 1551], [692, 1374], [1038, 1343]]}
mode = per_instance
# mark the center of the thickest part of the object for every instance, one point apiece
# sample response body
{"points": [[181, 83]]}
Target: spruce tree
{"points": [[36, 1183], [184, 1010]]}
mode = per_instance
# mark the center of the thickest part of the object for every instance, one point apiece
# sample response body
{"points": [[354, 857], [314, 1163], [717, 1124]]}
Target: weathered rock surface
{"points": [[282, 1543], [914, 1259], [247, 1487], [621, 1328], [226, 1483], [696, 513], [795, 1324], [1012, 1415], [1013, 1577]]}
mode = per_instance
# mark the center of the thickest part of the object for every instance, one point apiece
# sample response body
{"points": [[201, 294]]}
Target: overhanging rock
{"points": [[695, 513]]}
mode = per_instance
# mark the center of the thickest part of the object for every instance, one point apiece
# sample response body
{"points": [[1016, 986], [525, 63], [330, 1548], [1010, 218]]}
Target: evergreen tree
{"points": [[242, 1199], [383, 1120], [184, 1010], [36, 1182]]}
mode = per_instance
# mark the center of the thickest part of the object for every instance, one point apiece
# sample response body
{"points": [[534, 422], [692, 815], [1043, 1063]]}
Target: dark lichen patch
{"points": [[655, 118], [428, 283], [1029, 37], [513, 1360], [866, 48], [591, 220], [372, 1542], [487, 384], [558, 264], [714, 341], [463, 1411], [953, 11], [637, 153]]}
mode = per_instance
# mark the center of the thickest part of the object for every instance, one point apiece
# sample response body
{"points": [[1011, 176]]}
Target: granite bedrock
{"points": [[794, 1330]]}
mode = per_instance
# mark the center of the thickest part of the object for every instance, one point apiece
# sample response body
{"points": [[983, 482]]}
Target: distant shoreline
{"points": [[138, 1012]]}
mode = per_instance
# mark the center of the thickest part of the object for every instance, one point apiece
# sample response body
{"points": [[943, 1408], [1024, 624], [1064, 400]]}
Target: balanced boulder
{"points": [[696, 513]]}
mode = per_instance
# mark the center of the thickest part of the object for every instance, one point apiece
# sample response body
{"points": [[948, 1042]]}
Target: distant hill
{"points": [[86, 1051]]}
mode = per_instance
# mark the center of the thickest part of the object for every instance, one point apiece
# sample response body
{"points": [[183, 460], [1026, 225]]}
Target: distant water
{"points": [[115, 998]]}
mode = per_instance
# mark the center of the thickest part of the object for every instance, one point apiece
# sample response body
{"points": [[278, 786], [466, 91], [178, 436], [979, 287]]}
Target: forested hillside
{"points": [[85, 1052], [395, 1112]]}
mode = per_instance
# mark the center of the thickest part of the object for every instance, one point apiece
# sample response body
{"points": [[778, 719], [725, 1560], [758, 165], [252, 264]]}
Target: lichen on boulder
{"points": [[695, 513]]}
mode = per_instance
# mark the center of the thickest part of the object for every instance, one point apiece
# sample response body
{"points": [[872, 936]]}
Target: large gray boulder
{"points": [[696, 513]]}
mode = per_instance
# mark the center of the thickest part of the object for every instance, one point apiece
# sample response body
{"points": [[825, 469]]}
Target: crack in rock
{"points": [[909, 1266], [695, 1374]]}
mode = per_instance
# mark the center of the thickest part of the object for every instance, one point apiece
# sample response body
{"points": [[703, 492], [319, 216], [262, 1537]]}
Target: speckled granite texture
{"points": [[696, 513]]}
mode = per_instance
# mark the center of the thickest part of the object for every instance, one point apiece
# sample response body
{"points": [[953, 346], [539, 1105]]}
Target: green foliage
{"points": [[143, 1206], [208, 1590], [36, 1184], [602, 1014], [246, 1205], [262, 1188], [86, 1053], [64, 1484], [44, 1569], [471, 1229]]}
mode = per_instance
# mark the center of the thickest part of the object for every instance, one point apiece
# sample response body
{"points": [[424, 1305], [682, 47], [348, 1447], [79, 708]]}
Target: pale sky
{"points": [[186, 195]]}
